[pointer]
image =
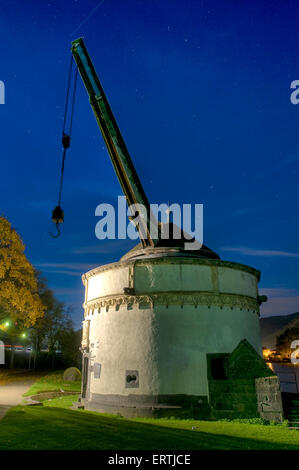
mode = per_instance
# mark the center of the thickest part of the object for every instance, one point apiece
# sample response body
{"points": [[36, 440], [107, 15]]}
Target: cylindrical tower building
{"points": [[151, 321]]}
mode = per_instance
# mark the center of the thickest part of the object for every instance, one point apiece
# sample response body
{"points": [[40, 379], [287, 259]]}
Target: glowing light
{"points": [[4, 325], [266, 353]]}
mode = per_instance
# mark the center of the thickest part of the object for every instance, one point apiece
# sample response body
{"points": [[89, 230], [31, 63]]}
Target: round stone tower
{"points": [[166, 330], [153, 320]]}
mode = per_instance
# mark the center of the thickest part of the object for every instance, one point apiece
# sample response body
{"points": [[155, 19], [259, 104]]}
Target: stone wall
{"points": [[233, 398], [269, 398], [248, 388]]}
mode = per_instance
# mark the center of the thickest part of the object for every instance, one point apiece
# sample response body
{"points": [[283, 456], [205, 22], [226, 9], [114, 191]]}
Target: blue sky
{"points": [[201, 92]]}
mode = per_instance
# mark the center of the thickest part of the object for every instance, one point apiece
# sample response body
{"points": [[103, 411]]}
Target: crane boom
{"points": [[114, 141]]}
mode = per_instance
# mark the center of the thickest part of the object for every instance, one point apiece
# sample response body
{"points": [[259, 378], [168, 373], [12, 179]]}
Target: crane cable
{"points": [[57, 213]]}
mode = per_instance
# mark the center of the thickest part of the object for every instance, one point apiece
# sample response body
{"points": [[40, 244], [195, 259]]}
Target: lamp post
{"points": [[5, 327], [23, 336], [33, 349]]}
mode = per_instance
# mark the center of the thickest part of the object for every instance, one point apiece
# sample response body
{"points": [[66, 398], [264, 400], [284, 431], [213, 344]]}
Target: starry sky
{"points": [[201, 92]]}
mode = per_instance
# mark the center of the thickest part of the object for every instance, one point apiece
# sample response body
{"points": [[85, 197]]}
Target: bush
{"points": [[285, 423], [72, 374]]}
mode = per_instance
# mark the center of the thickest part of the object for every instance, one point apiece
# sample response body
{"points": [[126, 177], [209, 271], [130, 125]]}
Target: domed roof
{"points": [[173, 244]]}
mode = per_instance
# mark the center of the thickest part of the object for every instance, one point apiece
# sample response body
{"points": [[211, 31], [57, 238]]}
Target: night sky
{"points": [[201, 93]]}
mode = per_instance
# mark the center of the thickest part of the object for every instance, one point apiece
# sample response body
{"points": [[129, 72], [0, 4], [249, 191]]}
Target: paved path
{"points": [[12, 394]]}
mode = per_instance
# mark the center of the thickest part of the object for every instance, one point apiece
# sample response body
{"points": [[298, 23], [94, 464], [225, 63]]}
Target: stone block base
{"points": [[145, 406]]}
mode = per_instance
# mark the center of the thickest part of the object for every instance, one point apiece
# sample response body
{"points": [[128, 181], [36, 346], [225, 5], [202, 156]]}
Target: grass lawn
{"points": [[55, 426], [61, 402], [53, 382]]}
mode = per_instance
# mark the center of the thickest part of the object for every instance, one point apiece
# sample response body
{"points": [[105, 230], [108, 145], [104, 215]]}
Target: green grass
{"points": [[8, 376], [53, 382], [61, 402], [56, 426], [53, 426]]}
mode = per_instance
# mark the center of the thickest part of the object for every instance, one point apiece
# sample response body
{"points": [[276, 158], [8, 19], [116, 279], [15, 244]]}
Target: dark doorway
{"points": [[217, 365], [218, 368]]}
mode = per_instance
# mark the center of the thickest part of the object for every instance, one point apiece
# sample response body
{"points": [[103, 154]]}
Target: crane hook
{"points": [[58, 231], [57, 213], [58, 218]]}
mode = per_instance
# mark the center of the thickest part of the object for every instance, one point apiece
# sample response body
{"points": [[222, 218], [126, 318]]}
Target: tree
{"points": [[284, 341], [55, 329], [19, 298], [20, 302], [70, 341]]}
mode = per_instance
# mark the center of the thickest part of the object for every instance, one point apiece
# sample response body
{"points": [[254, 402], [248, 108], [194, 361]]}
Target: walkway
{"points": [[12, 394]]}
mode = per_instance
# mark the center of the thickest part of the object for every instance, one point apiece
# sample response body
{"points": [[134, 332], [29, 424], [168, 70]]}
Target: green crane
{"points": [[151, 232], [116, 146]]}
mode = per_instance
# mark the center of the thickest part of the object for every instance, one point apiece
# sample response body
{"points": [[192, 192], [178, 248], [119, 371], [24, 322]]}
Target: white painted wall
{"points": [[124, 340], [107, 283], [170, 275], [167, 345]]}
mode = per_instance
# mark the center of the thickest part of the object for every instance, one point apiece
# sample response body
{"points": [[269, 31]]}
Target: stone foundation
{"points": [[269, 398], [129, 406]]}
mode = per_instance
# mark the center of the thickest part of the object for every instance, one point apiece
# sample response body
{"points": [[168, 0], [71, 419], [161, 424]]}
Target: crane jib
{"points": [[114, 141]]}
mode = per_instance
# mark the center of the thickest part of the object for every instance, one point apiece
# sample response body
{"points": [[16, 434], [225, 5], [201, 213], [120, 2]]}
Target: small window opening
{"points": [[132, 379], [218, 369]]}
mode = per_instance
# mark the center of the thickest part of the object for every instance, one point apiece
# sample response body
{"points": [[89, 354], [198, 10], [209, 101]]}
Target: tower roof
{"points": [[172, 245]]}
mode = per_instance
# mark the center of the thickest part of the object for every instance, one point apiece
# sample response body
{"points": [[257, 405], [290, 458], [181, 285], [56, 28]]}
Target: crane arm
{"points": [[114, 141]]}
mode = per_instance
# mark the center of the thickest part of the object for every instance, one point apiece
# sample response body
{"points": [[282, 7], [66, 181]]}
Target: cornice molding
{"points": [[180, 299]]}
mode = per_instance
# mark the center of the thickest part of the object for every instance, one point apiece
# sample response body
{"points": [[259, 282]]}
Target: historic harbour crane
{"points": [[122, 162], [164, 326]]}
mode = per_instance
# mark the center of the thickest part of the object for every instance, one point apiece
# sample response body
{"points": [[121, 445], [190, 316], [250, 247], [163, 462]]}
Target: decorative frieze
{"points": [[180, 299]]}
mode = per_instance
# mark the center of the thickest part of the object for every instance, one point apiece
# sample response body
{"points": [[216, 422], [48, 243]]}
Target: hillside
{"points": [[271, 327]]}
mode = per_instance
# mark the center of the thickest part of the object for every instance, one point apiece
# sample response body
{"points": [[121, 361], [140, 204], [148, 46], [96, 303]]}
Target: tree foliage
{"points": [[284, 341], [70, 341], [19, 297], [55, 319], [54, 331]]}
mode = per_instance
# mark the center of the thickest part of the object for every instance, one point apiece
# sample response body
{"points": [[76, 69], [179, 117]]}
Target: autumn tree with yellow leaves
{"points": [[19, 298]]}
